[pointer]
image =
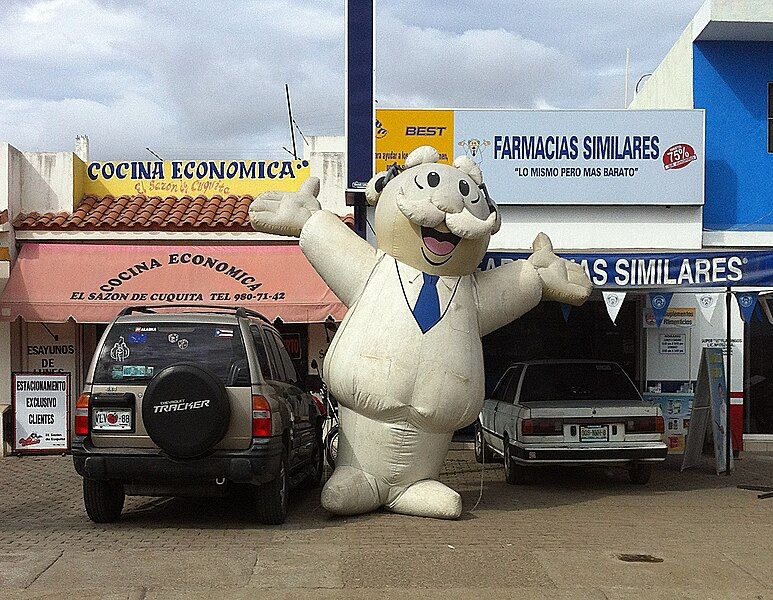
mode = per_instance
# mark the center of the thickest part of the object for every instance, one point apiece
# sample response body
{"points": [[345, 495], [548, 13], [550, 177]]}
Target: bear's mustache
{"points": [[464, 224]]}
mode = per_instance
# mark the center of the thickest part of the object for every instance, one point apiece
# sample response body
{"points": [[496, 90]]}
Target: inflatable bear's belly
{"points": [[381, 365]]}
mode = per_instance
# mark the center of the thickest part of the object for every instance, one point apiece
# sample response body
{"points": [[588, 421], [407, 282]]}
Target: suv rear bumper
{"points": [[527, 455], [258, 464]]}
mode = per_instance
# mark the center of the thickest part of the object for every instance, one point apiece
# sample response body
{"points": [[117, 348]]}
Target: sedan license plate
{"points": [[111, 419], [594, 433]]}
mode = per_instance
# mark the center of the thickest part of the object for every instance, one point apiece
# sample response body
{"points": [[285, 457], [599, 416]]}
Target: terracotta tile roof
{"points": [[143, 213]]}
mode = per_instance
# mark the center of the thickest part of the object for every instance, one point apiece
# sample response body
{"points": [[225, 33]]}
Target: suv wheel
{"points": [[640, 473], [271, 497], [515, 474], [482, 450], [103, 500], [317, 465]]}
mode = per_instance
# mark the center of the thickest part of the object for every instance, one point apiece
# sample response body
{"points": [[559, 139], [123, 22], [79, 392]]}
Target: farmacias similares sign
{"points": [[652, 157]]}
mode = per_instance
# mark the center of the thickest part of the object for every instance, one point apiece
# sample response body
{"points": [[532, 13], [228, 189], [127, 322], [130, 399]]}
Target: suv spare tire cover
{"points": [[185, 410]]}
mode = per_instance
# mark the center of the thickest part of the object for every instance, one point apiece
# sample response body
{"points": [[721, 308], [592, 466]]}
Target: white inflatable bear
{"points": [[406, 364]]}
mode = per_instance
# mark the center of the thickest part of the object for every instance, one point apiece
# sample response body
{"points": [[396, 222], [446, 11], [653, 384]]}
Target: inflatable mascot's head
{"points": [[434, 217]]}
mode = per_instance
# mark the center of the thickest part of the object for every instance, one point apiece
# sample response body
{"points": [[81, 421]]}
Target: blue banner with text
{"points": [[663, 270]]}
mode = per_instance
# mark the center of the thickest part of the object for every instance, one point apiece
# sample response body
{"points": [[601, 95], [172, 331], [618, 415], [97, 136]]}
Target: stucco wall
{"points": [[671, 83], [10, 191], [47, 181], [601, 227], [740, 11], [326, 157]]}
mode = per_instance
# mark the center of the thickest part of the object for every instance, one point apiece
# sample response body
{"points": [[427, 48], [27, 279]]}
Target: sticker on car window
{"points": [[137, 371], [138, 338], [182, 344], [121, 371], [144, 329], [224, 332], [120, 351], [173, 337]]}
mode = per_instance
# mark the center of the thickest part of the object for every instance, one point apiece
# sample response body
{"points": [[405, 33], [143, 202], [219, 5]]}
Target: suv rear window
{"points": [[137, 351], [576, 381]]}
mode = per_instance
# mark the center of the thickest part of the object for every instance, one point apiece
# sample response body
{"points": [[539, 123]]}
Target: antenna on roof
{"points": [[154, 154], [290, 114], [299, 131], [627, 74]]}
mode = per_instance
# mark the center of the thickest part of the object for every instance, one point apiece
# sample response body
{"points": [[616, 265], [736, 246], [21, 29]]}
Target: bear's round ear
{"points": [[375, 187], [466, 164], [422, 154]]}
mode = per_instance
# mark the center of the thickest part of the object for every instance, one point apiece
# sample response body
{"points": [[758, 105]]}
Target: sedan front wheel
{"points": [[482, 451]]}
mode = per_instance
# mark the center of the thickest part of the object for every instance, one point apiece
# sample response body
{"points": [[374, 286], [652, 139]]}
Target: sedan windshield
{"points": [[576, 381]]}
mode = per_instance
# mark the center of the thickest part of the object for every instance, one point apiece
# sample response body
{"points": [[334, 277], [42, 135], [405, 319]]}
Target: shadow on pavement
{"points": [[550, 487], [557, 486]]}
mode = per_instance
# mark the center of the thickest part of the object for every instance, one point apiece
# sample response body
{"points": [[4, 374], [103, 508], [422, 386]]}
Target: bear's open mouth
{"points": [[438, 242]]}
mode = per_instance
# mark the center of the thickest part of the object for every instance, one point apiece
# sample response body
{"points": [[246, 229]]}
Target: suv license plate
{"points": [[111, 419], [594, 433]]}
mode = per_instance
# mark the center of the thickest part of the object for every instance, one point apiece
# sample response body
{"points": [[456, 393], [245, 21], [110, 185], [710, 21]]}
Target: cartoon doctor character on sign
{"points": [[406, 364]]}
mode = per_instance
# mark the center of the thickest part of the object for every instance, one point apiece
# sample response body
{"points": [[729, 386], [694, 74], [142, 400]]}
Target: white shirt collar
{"points": [[412, 282], [412, 276]]}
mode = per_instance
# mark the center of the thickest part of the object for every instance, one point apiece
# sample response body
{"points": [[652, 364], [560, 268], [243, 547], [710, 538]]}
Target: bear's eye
{"points": [[464, 187], [433, 179]]}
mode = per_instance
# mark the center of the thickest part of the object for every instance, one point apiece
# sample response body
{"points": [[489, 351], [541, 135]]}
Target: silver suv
{"points": [[189, 403]]}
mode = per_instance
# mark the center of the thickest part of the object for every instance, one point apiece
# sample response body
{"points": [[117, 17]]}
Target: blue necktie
{"points": [[427, 309]]}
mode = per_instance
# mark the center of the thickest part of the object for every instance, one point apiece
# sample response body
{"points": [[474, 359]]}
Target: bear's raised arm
{"points": [[506, 293], [341, 257], [509, 291]]}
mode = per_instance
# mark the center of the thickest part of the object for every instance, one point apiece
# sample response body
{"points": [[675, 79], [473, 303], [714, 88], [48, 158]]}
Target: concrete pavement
{"points": [[559, 537]]}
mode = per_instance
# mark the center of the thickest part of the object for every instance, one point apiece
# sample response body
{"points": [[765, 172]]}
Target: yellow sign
{"points": [[398, 132], [192, 177]]}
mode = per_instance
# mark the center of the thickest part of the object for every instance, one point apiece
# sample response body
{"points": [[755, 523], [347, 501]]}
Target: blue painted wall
{"points": [[731, 83]]}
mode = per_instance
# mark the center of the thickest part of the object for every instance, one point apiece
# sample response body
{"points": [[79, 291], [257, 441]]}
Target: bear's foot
{"points": [[428, 498], [350, 491]]}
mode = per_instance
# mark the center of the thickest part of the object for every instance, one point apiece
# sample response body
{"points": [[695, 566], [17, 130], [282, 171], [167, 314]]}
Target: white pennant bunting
{"points": [[707, 302], [613, 300]]}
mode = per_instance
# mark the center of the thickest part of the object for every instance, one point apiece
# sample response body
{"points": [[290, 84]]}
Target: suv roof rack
{"points": [[154, 308]]}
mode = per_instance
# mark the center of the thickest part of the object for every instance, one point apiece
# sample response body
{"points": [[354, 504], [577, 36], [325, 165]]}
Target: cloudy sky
{"points": [[201, 79]]}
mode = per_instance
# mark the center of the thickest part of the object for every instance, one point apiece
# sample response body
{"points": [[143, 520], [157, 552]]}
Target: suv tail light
{"points": [[82, 415], [542, 427], [645, 425], [261, 417]]}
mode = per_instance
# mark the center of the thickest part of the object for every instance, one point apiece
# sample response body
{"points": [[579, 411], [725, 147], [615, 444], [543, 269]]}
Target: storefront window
{"points": [[543, 333]]}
